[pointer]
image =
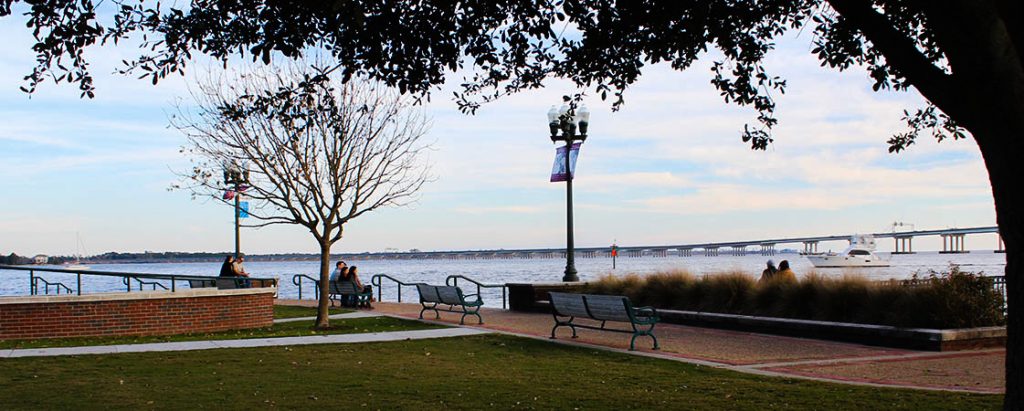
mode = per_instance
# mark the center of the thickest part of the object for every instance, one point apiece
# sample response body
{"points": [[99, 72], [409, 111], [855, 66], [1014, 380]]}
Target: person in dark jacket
{"points": [[768, 272], [227, 269]]}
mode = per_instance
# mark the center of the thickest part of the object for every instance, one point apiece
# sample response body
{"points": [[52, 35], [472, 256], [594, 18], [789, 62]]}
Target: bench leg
{"points": [[563, 324], [648, 332], [437, 315], [476, 312]]}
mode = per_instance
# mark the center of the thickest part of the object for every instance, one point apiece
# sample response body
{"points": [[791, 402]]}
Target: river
{"points": [[516, 270]]}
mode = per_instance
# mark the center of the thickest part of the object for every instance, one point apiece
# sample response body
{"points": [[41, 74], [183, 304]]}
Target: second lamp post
{"points": [[565, 120], [236, 178]]}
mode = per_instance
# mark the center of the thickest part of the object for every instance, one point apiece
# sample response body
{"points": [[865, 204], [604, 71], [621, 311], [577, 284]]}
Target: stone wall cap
{"points": [[137, 295]]}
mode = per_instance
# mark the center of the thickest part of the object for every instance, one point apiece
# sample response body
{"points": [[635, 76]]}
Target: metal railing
{"points": [[127, 282], [297, 279], [453, 280], [46, 286], [377, 279], [126, 279]]}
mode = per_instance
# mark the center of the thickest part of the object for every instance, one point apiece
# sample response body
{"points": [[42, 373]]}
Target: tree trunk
{"points": [[322, 320], [1003, 153]]}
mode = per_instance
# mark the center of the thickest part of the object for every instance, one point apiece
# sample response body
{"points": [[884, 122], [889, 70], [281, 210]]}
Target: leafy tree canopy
{"points": [[513, 45]]}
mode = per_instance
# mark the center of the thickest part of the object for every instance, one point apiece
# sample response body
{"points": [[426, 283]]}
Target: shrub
{"points": [[955, 299]]}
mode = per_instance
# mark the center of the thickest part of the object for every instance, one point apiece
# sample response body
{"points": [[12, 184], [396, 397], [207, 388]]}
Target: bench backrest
{"points": [[202, 283], [599, 307], [228, 283], [569, 305], [343, 287], [449, 294], [428, 293], [442, 294], [608, 307]]}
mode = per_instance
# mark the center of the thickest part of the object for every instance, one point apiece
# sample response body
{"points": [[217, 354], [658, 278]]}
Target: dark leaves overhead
{"points": [[510, 45]]}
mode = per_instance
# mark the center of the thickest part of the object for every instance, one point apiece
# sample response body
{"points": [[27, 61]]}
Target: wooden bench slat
{"points": [[433, 295], [569, 305], [608, 307], [602, 308]]}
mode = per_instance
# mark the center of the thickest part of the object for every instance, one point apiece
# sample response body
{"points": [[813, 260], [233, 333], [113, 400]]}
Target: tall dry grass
{"points": [[952, 299]]}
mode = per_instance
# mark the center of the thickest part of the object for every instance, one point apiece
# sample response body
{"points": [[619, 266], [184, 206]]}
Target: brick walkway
{"points": [[975, 371]]}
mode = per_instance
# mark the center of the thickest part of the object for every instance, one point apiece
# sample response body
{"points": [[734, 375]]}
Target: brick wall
{"points": [[150, 313]]}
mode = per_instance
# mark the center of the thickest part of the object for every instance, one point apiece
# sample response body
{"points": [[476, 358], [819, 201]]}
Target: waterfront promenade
{"points": [[979, 371]]}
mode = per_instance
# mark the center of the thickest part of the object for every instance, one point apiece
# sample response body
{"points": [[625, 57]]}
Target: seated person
{"points": [[227, 269], [784, 272], [239, 270], [768, 272], [339, 271], [353, 275]]}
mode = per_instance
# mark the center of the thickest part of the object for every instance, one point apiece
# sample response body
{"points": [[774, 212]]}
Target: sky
{"points": [[668, 168]]}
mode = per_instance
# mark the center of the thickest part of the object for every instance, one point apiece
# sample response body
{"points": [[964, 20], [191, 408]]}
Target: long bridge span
{"points": [[953, 241]]}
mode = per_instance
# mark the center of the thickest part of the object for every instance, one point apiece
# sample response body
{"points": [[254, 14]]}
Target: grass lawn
{"points": [[478, 372], [294, 311], [288, 329]]}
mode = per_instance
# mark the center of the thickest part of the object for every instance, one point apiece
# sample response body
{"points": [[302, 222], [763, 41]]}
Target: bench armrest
{"points": [[645, 311]]}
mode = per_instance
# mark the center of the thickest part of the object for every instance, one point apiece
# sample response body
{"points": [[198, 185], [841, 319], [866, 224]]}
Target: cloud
{"points": [[509, 209]]}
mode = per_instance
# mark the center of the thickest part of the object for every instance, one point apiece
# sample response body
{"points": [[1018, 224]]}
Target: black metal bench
{"points": [[603, 308], [432, 296], [202, 283], [342, 290]]}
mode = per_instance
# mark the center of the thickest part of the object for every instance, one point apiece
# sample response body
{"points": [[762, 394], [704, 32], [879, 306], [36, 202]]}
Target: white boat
{"points": [[79, 248], [860, 253]]}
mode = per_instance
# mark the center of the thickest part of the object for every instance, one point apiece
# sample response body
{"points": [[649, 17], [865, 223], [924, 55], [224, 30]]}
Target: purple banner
{"points": [[558, 169]]}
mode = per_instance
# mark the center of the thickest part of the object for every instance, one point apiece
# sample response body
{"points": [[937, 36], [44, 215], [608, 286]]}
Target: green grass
{"points": [[294, 311], [288, 329], [479, 372]]}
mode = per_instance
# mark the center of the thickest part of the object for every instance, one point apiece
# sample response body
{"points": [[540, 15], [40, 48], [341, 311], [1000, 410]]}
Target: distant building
{"points": [[41, 259]]}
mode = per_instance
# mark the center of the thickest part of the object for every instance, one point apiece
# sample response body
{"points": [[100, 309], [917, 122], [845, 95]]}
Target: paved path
{"points": [[243, 343], [980, 371], [357, 314]]}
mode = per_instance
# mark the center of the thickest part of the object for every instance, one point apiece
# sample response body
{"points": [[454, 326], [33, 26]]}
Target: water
{"points": [[511, 271]]}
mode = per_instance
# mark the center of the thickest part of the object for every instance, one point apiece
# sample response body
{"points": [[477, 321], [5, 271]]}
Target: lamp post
{"points": [[236, 177], [565, 120]]}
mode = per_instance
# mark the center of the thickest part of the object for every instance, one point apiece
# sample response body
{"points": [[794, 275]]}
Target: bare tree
{"points": [[320, 151]]}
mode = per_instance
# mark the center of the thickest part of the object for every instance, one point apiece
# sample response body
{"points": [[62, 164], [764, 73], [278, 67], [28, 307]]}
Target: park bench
{"points": [[603, 308], [230, 283], [343, 290], [433, 296], [202, 283]]}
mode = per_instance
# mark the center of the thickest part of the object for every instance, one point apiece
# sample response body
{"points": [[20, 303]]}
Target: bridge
{"points": [[953, 241]]}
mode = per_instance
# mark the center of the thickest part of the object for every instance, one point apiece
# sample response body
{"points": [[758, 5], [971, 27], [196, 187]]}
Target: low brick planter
{"points": [[136, 313], [870, 334], [534, 298]]}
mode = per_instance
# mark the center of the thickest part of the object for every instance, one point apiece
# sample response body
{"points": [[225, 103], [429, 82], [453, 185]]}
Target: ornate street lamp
{"points": [[568, 120], [236, 178]]}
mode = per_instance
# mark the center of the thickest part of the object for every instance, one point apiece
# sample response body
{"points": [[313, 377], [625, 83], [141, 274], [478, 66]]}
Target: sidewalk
{"points": [[974, 371], [251, 342]]}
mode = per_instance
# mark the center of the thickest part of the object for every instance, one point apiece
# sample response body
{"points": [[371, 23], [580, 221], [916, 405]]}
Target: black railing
{"points": [[46, 286], [143, 279], [377, 279], [453, 280], [127, 282], [297, 279]]}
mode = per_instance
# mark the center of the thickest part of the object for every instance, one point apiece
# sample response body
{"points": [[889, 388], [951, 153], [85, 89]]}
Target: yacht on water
{"points": [[860, 253], [79, 248]]}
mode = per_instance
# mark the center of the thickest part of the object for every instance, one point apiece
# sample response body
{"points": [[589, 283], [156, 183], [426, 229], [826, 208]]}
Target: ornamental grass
{"points": [[952, 299]]}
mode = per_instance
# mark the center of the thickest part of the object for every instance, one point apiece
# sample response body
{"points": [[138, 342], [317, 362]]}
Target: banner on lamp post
{"points": [[243, 209], [558, 172]]}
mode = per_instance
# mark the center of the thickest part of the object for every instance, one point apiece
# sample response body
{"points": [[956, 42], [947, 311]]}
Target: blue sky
{"points": [[668, 168]]}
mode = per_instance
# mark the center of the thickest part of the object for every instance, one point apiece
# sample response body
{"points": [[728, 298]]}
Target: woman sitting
{"points": [[353, 276]]}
